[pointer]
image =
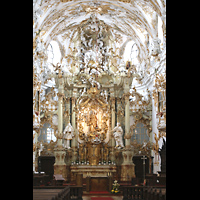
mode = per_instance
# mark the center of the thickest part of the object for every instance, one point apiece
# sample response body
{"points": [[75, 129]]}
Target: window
{"points": [[131, 53], [46, 134], [140, 134], [50, 135], [160, 30], [127, 51], [134, 54], [37, 100], [50, 53], [53, 53], [160, 102]]}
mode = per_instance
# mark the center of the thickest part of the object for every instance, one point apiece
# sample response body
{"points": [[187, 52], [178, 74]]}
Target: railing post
{"points": [[80, 193], [145, 194], [133, 193], [151, 194], [125, 196]]}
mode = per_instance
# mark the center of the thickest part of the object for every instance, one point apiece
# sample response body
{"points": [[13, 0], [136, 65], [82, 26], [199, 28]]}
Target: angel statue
{"points": [[118, 132], [68, 135]]}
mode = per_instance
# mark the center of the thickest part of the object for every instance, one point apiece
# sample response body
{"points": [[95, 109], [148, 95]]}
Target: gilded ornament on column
{"points": [[61, 96]]}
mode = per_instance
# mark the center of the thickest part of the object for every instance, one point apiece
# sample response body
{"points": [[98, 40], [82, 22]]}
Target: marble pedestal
{"points": [[127, 172], [127, 167], [59, 166]]}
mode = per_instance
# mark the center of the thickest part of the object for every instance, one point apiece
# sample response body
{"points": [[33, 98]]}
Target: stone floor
{"points": [[114, 197]]}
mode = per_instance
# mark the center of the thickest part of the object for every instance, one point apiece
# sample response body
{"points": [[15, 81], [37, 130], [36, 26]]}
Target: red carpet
{"points": [[101, 198], [99, 192]]}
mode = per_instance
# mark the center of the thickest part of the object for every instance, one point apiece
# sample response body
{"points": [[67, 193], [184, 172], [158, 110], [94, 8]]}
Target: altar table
{"points": [[93, 171]]}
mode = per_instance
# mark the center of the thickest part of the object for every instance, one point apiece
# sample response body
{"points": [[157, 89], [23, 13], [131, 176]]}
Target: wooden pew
{"points": [[58, 193], [40, 179], [45, 194], [52, 194], [143, 193], [154, 193], [58, 179], [76, 192], [132, 192]]}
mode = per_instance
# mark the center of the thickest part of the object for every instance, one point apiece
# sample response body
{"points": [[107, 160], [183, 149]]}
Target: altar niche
{"points": [[93, 153], [93, 128]]}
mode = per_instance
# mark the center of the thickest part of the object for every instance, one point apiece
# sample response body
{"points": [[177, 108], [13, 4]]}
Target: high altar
{"points": [[99, 90], [93, 119], [93, 149]]}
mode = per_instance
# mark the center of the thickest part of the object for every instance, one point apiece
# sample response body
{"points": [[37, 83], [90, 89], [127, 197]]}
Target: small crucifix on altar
{"points": [[143, 158]]}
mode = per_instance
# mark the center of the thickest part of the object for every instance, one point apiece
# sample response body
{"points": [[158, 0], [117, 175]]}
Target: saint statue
{"points": [[41, 147], [68, 135], [92, 123], [118, 132], [81, 152]]}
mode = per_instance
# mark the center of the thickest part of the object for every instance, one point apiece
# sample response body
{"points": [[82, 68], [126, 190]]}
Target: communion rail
{"points": [[143, 193]]}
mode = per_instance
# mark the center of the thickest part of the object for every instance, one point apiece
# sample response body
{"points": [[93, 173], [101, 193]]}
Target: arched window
{"points": [[160, 102], [50, 135], [134, 54], [46, 134], [160, 30], [131, 53], [53, 53], [127, 51], [50, 53], [140, 134]]}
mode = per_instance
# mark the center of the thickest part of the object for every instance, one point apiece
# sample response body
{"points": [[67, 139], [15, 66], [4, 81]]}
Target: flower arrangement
{"points": [[115, 188]]}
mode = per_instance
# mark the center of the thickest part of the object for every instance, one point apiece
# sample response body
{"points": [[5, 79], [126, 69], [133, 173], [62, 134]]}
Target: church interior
{"points": [[99, 99]]}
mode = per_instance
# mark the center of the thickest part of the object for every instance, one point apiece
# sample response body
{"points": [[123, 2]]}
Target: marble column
{"points": [[74, 143], [73, 121], [118, 108], [127, 136], [36, 149], [127, 167], [68, 110], [59, 151], [113, 119], [112, 157]]}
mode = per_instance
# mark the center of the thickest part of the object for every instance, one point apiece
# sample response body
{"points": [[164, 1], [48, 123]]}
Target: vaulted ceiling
{"points": [[59, 19]]}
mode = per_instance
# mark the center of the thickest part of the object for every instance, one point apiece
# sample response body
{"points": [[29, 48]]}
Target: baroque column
{"points": [[127, 167], [68, 110], [112, 144], [75, 139], [59, 151], [127, 136]]}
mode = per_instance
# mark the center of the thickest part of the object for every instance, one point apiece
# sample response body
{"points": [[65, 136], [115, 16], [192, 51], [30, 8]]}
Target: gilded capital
{"points": [[127, 136], [126, 96], [60, 96], [73, 99]]}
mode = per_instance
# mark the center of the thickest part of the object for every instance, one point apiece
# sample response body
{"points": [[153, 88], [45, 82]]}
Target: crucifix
{"points": [[143, 158]]}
